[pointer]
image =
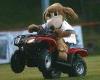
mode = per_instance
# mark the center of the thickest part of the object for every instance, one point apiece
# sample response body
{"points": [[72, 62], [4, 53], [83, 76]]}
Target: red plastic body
{"points": [[80, 51], [50, 40]]}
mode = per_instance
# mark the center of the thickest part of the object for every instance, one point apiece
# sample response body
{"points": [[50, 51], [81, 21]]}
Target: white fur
{"points": [[65, 26]]}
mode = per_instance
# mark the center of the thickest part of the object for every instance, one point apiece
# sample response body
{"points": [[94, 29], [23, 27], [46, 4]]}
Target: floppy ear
{"points": [[70, 14], [45, 15]]}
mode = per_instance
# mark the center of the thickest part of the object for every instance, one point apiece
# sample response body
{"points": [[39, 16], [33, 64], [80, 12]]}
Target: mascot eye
{"points": [[48, 15], [55, 14]]}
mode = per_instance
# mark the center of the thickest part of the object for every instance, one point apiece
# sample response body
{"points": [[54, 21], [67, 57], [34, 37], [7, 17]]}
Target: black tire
{"points": [[53, 74], [46, 67], [45, 60], [78, 68], [17, 62]]}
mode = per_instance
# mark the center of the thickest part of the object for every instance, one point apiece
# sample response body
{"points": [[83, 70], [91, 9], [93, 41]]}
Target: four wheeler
{"points": [[41, 51]]}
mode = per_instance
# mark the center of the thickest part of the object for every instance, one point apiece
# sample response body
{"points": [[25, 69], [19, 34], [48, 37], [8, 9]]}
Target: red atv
{"points": [[41, 51]]}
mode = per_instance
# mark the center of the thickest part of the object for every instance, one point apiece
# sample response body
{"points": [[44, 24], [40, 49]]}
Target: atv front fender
{"points": [[82, 52]]}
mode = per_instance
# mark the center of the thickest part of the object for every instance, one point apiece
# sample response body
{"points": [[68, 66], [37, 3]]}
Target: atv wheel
{"points": [[46, 66], [17, 62], [78, 68], [53, 74], [45, 61]]}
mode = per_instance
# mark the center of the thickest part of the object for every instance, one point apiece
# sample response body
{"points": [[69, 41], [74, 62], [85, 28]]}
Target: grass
{"points": [[93, 73]]}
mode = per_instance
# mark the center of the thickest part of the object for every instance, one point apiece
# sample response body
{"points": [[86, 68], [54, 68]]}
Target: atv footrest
{"points": [[64, 63]]}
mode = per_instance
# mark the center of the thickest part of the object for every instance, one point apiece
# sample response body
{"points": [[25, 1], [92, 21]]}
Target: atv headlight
{"points": [[17, 40], [31, 41]]}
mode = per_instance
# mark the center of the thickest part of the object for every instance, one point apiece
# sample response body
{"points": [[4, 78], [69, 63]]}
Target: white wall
{"points": [[79, 35]]}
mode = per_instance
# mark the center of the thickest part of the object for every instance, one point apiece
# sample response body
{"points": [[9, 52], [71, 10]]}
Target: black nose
{"points": [[52, 27], [55, 14]]}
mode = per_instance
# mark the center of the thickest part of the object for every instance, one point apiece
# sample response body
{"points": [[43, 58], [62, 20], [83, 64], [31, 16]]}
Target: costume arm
{"points": [[66, 33], [67, 29], [34, 28]]}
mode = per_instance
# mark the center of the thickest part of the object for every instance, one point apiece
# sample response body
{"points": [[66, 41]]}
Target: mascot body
{"points": [[55, 17]]}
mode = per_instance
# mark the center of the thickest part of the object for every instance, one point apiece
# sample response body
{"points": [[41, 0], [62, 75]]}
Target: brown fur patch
{"points": [[66, 12]]}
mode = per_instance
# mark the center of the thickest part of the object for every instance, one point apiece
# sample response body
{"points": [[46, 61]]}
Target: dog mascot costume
{"points": [[55, 17]]}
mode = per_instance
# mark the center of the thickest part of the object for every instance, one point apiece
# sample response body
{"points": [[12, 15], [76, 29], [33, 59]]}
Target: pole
{"points": [[44, 4]]}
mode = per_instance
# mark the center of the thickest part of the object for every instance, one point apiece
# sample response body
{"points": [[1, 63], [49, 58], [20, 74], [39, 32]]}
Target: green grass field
{"points": [[93, 72]]}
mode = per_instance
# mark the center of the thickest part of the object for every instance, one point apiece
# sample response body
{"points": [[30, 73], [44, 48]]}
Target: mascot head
{"points": [[58, 13]]}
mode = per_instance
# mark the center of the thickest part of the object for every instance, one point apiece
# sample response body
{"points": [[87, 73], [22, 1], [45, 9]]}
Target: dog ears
{"points": [[44, 16], [67, 12], [70, 14]]}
